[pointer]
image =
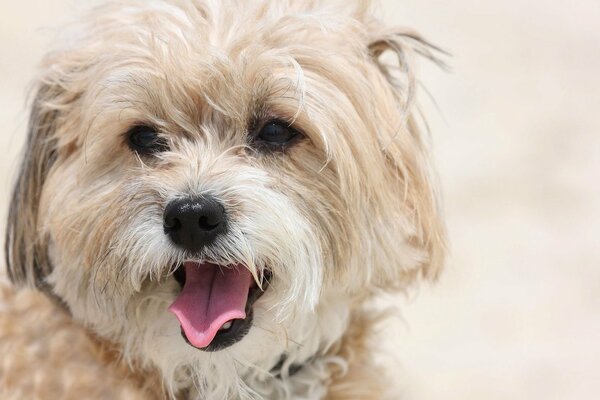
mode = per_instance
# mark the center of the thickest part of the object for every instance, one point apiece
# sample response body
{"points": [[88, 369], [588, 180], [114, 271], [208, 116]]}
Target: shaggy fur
{"points": [[345, 213]]}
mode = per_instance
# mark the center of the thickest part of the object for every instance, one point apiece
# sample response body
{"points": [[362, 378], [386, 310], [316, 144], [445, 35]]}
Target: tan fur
{"points": [[363, 379], [348, 211], [45, 355]]}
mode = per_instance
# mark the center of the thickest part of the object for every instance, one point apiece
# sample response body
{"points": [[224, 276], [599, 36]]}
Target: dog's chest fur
{"points": [[46, 355]]}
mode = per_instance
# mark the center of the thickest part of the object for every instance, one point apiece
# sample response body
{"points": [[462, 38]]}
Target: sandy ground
{"points": [[517, 142]]}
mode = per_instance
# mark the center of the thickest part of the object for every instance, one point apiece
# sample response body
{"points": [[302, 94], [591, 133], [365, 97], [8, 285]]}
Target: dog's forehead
{"points": [[205, 56]]}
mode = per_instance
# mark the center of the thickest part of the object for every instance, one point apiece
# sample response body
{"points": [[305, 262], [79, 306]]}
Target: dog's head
{"points": [[214, 186]]}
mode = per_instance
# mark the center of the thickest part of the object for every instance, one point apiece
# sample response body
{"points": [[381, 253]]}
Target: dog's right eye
{"points": [[145, 139]]}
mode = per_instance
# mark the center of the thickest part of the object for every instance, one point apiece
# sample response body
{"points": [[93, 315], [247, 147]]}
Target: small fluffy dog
{"points": [[212, 194]]}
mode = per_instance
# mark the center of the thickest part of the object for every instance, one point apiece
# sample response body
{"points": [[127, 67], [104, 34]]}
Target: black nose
{"points": [[195, 222]]}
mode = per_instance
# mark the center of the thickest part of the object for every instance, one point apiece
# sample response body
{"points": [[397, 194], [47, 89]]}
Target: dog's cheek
{"points": [[312, 185], [82, 221]]}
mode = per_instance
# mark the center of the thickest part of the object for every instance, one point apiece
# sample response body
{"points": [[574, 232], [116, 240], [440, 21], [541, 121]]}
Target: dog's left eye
{"points": [[276, 134], [145, 139]]}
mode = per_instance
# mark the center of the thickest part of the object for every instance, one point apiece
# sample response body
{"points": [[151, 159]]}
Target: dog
{"points": [[212, 195]]}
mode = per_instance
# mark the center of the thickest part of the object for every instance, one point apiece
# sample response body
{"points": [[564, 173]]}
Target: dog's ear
{"points": [[26, 249], [407, 154]]}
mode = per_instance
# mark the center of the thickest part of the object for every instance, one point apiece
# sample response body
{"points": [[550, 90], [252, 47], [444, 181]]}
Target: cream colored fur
{"points": [[347, 212]]}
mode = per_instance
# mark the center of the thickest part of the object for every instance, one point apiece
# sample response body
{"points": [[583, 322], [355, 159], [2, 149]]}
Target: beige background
{"points": [[517, 142]]}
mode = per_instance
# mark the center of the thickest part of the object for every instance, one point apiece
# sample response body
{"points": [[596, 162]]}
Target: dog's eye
{"points": [[145, 140], [276, 135]]}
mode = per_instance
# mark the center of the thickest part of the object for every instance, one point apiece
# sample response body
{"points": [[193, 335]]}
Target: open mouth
{"points": [[215, 306]]}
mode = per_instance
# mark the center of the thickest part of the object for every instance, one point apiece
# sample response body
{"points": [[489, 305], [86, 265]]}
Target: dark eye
{"points": [[145, 140], [277, 134]]}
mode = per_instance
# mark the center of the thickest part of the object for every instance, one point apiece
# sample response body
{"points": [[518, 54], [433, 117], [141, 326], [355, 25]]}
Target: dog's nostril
{"points": [[172, 223], [208, 223]]}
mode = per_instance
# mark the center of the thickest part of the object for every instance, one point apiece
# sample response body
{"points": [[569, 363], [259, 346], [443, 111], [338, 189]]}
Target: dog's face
{"points": [[214, 187]]}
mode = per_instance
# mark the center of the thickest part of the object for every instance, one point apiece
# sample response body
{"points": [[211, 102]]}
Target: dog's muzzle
{"points": [[215, 304]]}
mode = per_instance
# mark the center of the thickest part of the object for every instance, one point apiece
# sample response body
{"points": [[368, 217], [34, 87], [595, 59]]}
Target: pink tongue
{"points": [[211, 296]]}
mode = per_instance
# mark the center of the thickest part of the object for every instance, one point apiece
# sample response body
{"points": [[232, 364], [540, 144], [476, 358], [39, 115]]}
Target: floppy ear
{"points": [[26, 250], [408, 157]]}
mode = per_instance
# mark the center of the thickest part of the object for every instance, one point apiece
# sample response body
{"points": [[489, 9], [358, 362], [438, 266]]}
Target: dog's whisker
{"points": [[287, 338]]}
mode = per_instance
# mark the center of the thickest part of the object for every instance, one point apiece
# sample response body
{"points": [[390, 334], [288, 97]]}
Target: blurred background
{"points": [[516, 134]]}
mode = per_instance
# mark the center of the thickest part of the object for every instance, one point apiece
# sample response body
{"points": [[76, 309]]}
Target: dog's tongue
{"points": [[211, 296]]}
